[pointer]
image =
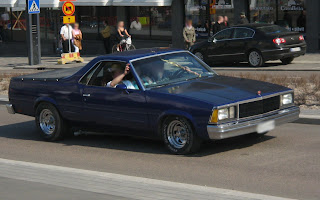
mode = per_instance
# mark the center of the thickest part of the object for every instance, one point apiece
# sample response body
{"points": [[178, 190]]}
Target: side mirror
{"points": [[122, 87], [214, 40]]}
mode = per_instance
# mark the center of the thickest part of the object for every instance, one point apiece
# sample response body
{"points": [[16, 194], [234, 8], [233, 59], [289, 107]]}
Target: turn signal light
{"points": [[279, 41], [301, 37]]}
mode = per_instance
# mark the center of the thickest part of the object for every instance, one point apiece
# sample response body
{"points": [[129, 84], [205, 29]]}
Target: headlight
{"points": [[222, 114], [286, 99]]}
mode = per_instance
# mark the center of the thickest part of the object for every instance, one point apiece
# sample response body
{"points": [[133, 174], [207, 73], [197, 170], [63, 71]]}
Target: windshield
{"points": [[170, 68], [272, 29]]}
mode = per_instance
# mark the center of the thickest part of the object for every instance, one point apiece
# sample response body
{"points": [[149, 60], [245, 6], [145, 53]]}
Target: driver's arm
{"points": [[118, 79]]}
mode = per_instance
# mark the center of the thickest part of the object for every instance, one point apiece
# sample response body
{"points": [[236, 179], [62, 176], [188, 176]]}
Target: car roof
{"points": [[253, 25], [140, 53]]}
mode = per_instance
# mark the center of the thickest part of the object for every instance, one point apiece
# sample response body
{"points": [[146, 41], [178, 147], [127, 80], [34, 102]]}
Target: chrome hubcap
{"points": [[254, 58], [177, 134], [199, 55], [47, 122]]}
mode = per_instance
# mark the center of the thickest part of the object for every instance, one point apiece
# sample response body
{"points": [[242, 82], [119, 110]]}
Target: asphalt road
{"points": [[284, 163]]}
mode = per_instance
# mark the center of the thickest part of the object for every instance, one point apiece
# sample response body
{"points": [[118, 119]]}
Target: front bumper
{"points": [[218, 132]]}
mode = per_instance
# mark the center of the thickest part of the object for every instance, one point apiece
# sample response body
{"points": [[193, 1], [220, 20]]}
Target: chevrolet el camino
{"points": [[173, 96]]}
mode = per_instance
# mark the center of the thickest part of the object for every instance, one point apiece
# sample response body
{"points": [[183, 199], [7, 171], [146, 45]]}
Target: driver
{"points": [[156, 73], [118, 75]]}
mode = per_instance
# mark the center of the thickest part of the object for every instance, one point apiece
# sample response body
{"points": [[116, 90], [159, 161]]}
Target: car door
{"points": [[238, 45], [219, 43], [111, 108]]}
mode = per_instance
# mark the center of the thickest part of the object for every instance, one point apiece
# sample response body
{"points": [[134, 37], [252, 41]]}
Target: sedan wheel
{"points": [[199, 55], [255, 59], [179, 136]]}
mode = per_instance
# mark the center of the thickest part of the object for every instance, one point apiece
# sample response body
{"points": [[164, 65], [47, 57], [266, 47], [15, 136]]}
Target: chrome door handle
{"points": [[86, 95]]}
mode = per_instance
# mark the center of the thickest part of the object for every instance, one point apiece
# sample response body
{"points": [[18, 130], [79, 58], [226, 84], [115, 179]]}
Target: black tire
{"points": [[192, 141], [255, 58], [286, 61], [61, 128]]}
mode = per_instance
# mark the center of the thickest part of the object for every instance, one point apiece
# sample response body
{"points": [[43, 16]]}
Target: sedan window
{"points": [[223, 35], [240, 33]]}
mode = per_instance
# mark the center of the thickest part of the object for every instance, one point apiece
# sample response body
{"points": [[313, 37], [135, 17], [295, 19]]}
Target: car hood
{"points": [[220, 90]]}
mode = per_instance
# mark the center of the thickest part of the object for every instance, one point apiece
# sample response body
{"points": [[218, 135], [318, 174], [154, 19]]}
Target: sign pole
{"points": [[33, 31]]}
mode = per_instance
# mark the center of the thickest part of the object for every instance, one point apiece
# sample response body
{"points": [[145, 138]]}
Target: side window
{"points": [[225, 34], [104, 72], [242, 33]]}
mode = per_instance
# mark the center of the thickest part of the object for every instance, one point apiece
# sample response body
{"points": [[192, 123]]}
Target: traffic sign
{"points": [[69, 19], [68, 8], [33, 6]]}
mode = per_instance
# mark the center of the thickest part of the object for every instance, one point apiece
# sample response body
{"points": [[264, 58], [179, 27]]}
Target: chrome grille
{"points": [[259, 107]]}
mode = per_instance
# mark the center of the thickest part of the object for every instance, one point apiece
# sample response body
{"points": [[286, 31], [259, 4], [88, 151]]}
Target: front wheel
{"points": [[179, 136], [50, 124], [286, 61], [255, 58]]}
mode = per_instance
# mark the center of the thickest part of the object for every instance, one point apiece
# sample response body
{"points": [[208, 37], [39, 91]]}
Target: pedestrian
{"points": [[135, 24], [66, 36], [189, 34], [106, 33], [243, 18], [226, 21], [77, 38], [219, 25]]}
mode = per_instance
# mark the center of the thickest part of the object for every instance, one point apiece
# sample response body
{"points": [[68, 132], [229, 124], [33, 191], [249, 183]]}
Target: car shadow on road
{"points": [[28, 131]]}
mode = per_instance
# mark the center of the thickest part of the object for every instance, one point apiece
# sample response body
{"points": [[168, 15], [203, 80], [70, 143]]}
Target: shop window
{"points": [[263, 11], [196, 10], [150, 21], [292, 15]]}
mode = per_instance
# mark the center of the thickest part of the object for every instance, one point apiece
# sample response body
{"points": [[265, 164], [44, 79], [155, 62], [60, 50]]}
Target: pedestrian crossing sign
{"points": [[33, 6]]}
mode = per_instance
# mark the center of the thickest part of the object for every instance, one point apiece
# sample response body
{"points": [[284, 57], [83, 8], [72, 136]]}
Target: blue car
{"points": [[167, 94]]}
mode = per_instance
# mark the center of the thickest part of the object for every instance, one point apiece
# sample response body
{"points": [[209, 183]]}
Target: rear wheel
{"points": [[50, 124], [287, 61], [255, 58], [179, 136]]}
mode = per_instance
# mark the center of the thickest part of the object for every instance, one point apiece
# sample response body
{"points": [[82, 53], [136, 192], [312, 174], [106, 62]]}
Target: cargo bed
{"points": [[55, 75]]}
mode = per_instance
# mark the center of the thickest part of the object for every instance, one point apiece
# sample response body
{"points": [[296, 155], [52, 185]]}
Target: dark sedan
{"points": [[252, 43]]}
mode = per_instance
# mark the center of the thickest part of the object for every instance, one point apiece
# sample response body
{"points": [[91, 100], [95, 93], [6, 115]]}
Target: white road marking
{"points": [[116, 184]]}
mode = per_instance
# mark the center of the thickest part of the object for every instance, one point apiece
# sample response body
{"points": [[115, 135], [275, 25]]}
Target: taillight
{"points": [[279, 41], [301, 37]]}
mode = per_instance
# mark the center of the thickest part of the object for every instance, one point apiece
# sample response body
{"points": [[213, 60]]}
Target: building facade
{"points": [[164, 19]]}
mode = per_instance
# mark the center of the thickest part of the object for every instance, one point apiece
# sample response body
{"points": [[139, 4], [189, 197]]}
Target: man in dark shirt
{"points": [[219, 25], [243, 19]]}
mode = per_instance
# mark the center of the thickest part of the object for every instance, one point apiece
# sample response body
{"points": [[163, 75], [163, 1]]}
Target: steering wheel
{"points": [[179, 73]]}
